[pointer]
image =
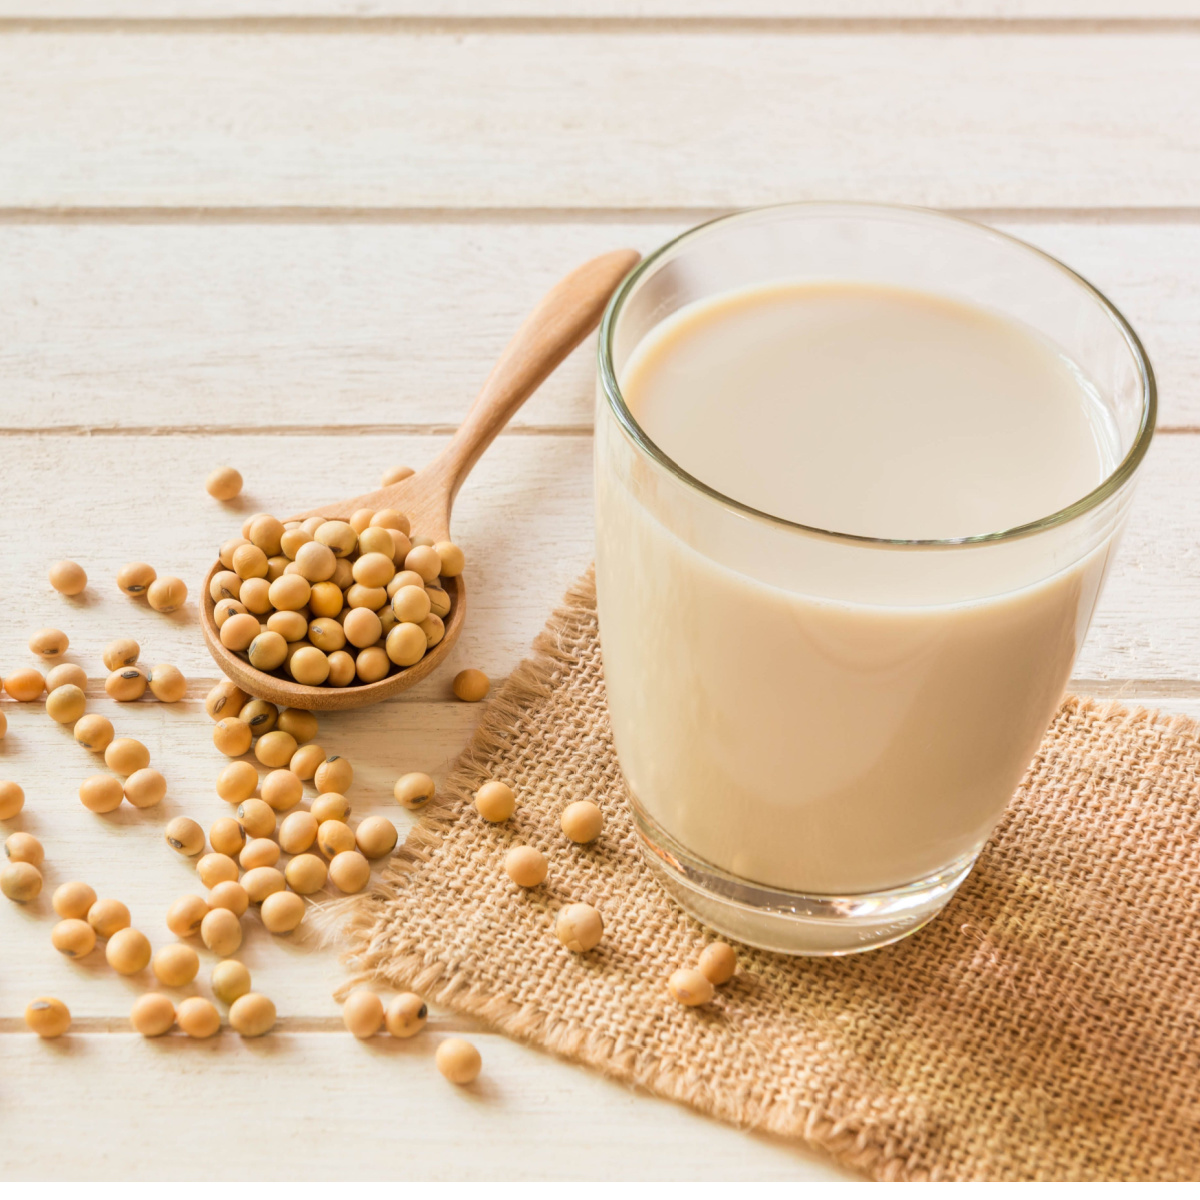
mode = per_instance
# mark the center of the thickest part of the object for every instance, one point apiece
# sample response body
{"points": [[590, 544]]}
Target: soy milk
{"points": [[809, 741]]}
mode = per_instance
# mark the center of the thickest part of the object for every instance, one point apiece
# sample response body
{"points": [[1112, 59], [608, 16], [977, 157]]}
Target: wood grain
{"points": [[345, 328], [393, 119]]}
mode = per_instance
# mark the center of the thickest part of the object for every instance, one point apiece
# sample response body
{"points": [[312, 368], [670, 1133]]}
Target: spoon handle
{"points": [[562, 319]]}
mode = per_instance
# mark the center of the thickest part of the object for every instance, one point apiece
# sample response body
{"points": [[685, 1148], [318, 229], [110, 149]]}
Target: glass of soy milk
{"points": [[860, 474]]}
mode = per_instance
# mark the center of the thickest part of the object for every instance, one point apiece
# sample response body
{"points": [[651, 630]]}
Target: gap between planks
{"points": [[358, 24]]}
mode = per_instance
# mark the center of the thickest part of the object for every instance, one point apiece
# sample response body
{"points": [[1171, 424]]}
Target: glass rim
{"points": [[1109, 486]]}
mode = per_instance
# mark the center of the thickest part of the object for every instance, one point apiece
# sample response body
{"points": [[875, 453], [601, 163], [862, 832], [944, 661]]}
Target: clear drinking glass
{"points": [[827, 864]]}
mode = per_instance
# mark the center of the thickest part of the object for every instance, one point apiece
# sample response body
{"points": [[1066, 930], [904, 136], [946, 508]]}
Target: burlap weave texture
{"points": [[1045, 1026]]}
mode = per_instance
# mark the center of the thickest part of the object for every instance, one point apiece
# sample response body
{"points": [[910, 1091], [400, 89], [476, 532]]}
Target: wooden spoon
{"points": [[565, 316]]}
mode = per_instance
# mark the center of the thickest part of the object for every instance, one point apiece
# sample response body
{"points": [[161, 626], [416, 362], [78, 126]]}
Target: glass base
{"points": [[789, 922]]}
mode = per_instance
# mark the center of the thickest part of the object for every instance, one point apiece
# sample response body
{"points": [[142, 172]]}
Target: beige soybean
{"points": [[49, 643], [391, 518], [339, 536], [275, 749], [262, 882], [259, 852], [281, 788], [579, 927], [297, 832], [218, 867], [372, 664], [316, 562], [167, 682], [342, 669], [373, 570], [252, 1015], [24, 847], [186, 914], [228, 548], [376, 541], [335, 774], [175, 965], [226, 836], [333, 837], [690, 987], [257, 818], [582, 821], [126, 755], [93, 732], [167, 594], [48, 1017], [717, 962], [330, 806], [413, 790], [66, 704], [260, 715], [221, 931], [152, 1014], [327, 634], [374, 598], [458, 1061], [68, 577], [306, 760], [145, 788], [267, 651], [198, 1018], [360, 519], [122, 652], [434, 630], [326, 599], [106, 917], [225, 585], [375, 837], [239, 631], [128, 951], [101, 793], [309, 666], [232, 736], [495, 801], [425, 561], [73, 937], [66, 673], [292, 540], [266, 532], [73, 899], [291, 626], [306, 873], [225, 700], [230, 980], [363, 628], [451, 558], [126, 684], [184, 836], [21, 882], [362, 1013], [405, 1015], [349, 871], [237, 782], [249, 562], [439, 606], [25, 685], [403, 579], [12, 799], [256, 596], [406, 644], [471, 685], [282, 912], [289, 592], [231, 895], [135, 578], [400, 546], [224, 483], [525, 866]]}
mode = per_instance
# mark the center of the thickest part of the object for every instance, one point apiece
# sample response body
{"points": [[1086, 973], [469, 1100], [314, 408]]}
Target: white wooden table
{"points": [[291, 236]]}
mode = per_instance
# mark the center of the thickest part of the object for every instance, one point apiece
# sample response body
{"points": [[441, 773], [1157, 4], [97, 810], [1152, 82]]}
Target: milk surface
{"points": [[803, 742]]}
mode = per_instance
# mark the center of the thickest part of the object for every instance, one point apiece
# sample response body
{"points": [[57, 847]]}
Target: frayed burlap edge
{"points": [[356, 919]]}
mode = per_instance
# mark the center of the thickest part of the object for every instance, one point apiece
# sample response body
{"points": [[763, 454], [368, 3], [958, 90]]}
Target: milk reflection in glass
{"points": [[823, 746]]}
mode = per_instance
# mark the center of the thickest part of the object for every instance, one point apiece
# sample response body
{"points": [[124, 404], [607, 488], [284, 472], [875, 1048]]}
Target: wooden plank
{"points": [[396, 325], [325, 1107], [254, 119], [678, 10]]}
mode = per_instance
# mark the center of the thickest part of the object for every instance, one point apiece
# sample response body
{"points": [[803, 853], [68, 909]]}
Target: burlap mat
{"points": [[1046, 1026]]}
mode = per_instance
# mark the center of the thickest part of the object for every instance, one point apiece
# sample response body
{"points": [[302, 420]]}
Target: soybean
{"points": [[717, 962], [525, 866], [579, 927], [282, 789], [306, 760], [260, 715], [495, 801], [232, 736], [362, 1013], [12, 799], [216, 868], [582, 821], [134, 578], [73, 937], [145, 788], [257, 818], [126, 684], [395, 475], [25, 685], [68, 577], [184, 835], [471, 685], [349, 871], [225, 700], [123, 652], [66, 704], [376, 837], [261, 882], [221, 931], [226, 836], [302, 725], [24, 847], [406, 1015], [128, 951], [413, 790], [252, 1015], [167, 594], [259, 852], [237, 782], [297, 832], [49, 643], [167, 683], [152, 1015], [107, 917], [335, 774], [126, 755], [275, 749], [21, 882], [186, 914], [73, 899], [66, 673], [198, 1018], [458, 1061], [101, 793], [175, 965], [224, 483], [690, 987], [48, 1017], [306, 873], [231, 895], [94, 732], [282, 912], [230, 980]]}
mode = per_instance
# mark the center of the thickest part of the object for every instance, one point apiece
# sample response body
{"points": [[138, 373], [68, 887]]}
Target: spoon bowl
{"points": [[563, 318]]}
